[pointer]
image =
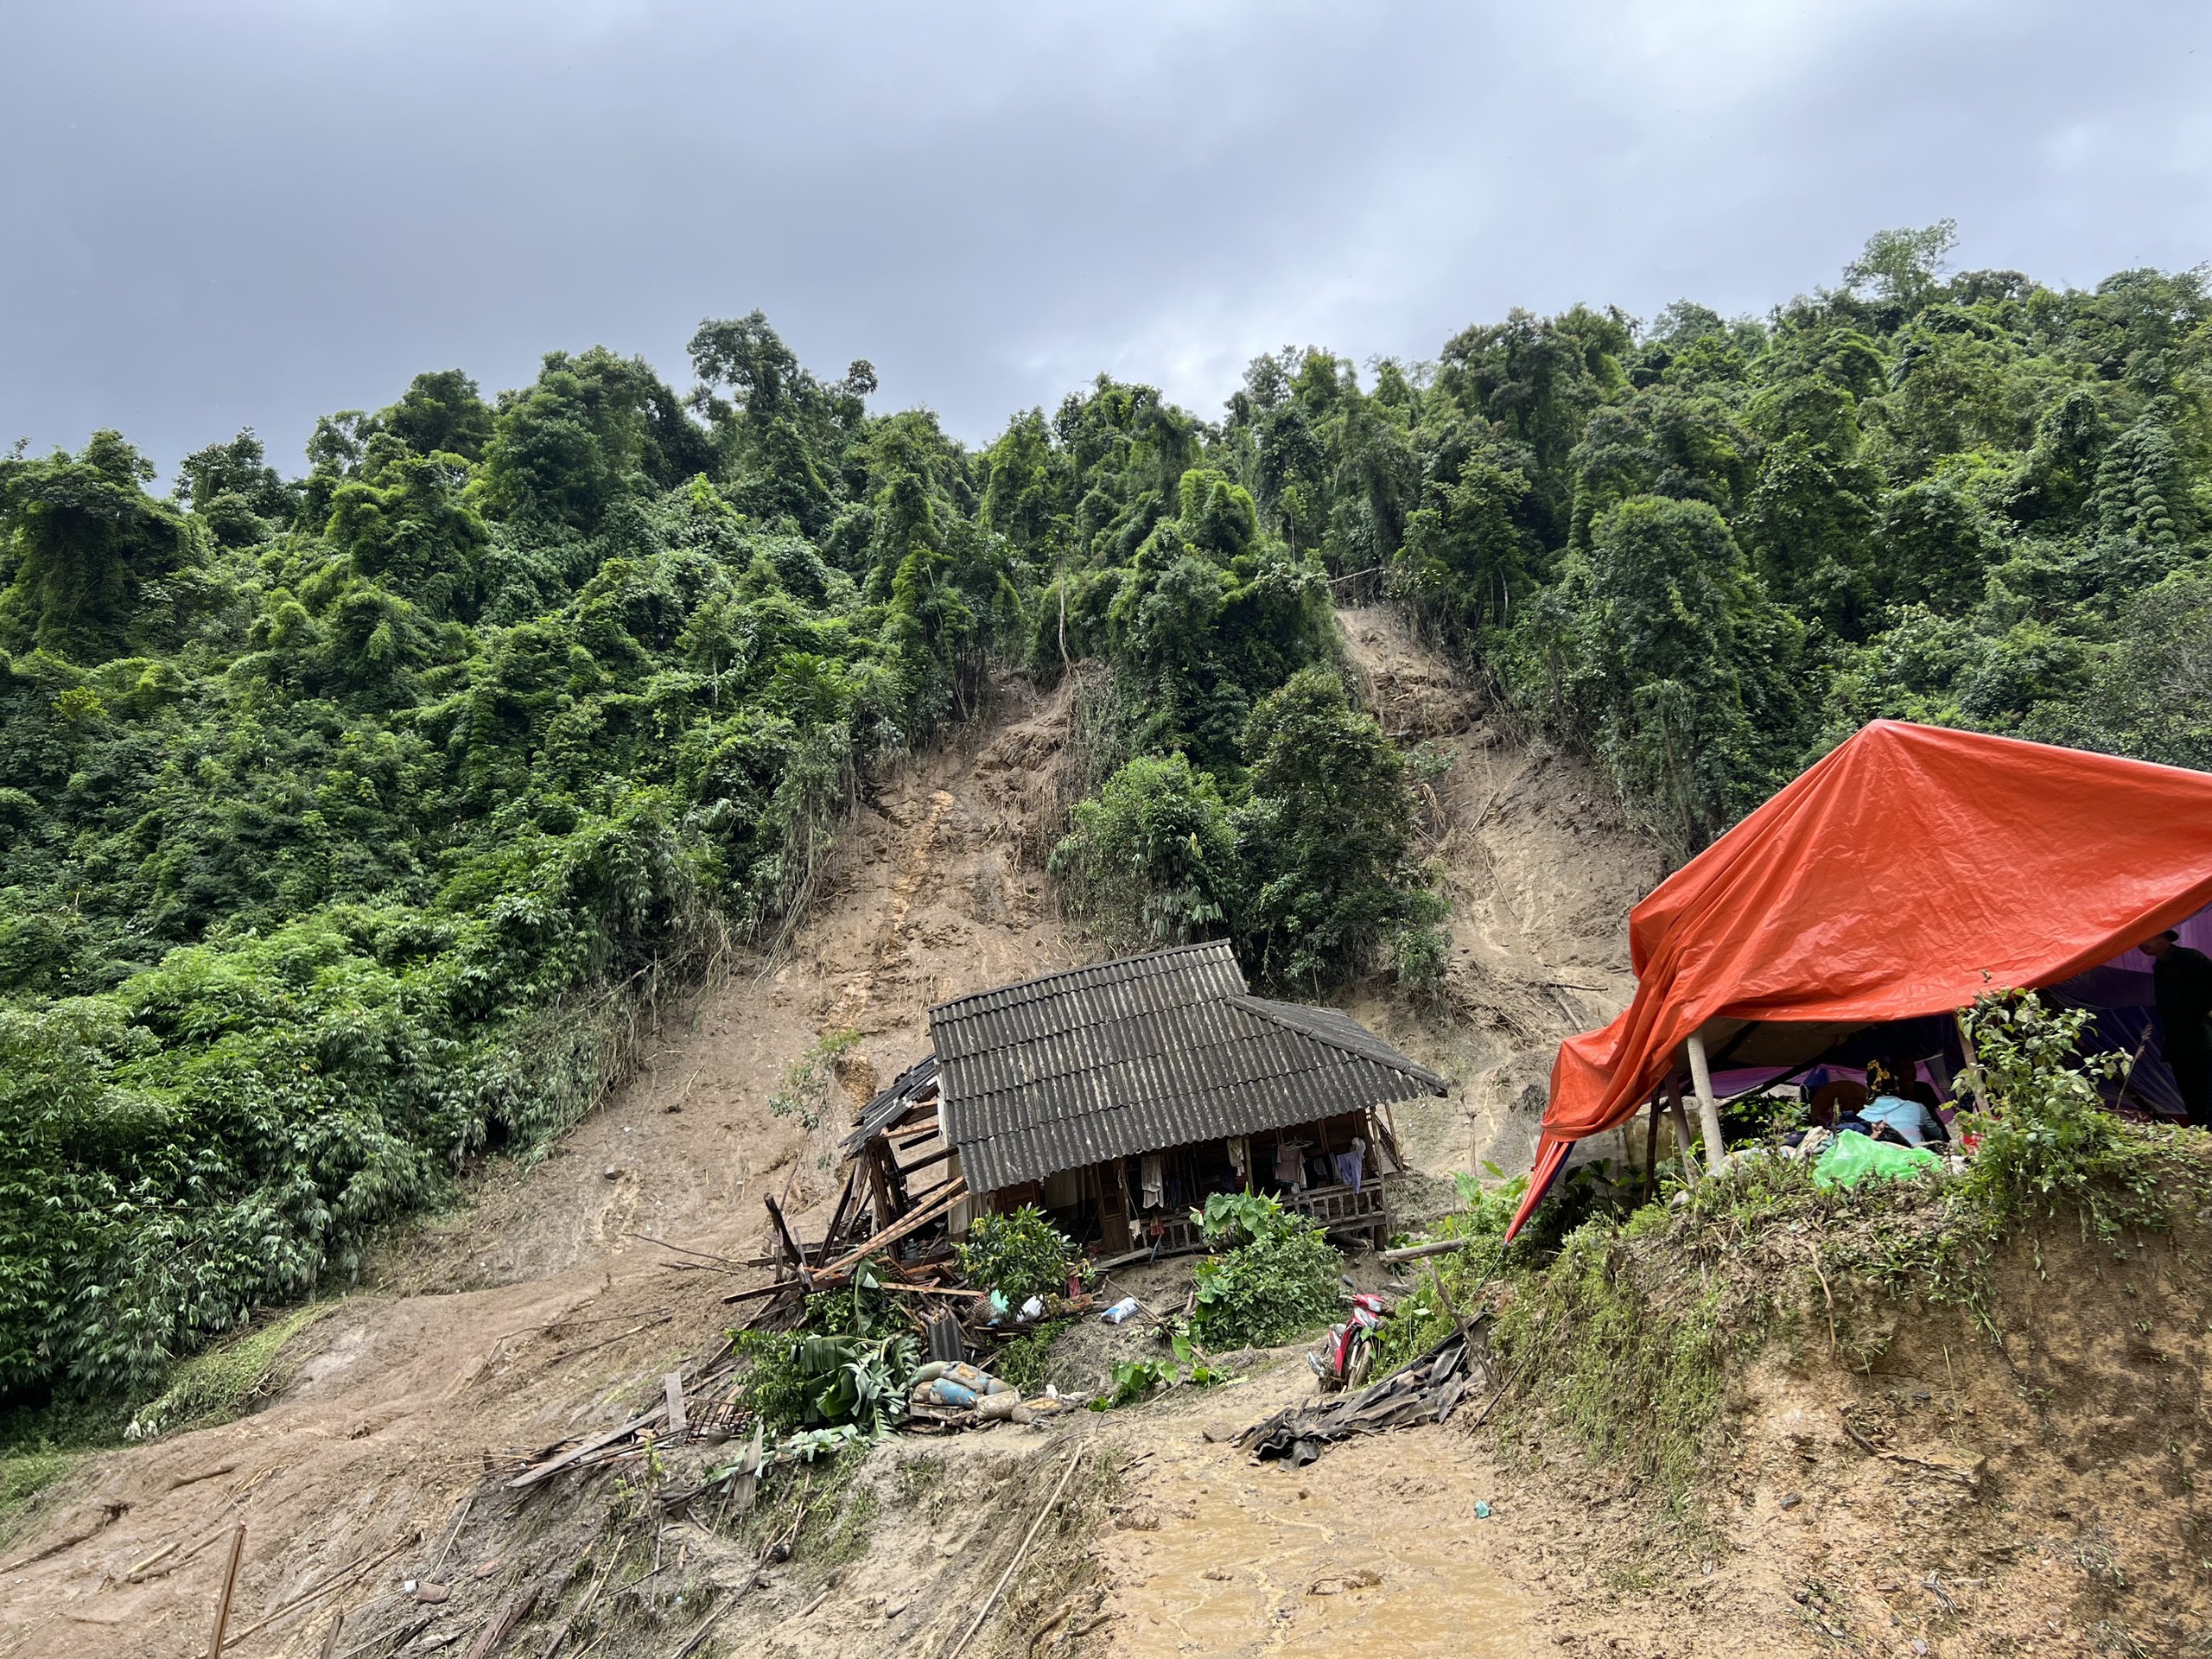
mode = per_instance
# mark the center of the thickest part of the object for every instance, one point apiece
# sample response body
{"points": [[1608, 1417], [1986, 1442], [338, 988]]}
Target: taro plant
{"points": [[845, 1371]]}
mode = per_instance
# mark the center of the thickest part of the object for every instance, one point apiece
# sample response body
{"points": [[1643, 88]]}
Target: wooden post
{"points": [[230, 1587], [790, 1244], [1708, 1108], [878, 1189], [1682, 1130], [1651, 1152], [830, 1240], [1444, 1296]]}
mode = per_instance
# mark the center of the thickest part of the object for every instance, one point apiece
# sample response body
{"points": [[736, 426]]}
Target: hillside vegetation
{"points": [[347, 819]]}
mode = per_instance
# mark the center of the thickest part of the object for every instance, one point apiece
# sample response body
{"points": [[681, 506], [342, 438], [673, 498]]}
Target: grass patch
{"points": [[226, 1381], [1630, 1334], [815, 1512], [1026, 1361], [23, 1476]]}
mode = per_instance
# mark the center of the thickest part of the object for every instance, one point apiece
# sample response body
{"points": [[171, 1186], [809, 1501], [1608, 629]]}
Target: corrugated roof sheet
{"points": [[1148, 1051], [891, 1105]]}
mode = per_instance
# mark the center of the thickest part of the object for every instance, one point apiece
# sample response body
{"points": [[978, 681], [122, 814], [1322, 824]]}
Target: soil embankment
{"points": [[542, 1307], [1540, 873]]}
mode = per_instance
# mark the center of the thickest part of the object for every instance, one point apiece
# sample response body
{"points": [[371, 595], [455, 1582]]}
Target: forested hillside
{"points": [[343, 815]]}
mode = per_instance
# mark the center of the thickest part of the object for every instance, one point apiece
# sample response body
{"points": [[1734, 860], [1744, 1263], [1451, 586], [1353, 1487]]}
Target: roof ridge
{"points": [[1267, 1008], [1195, 948]]}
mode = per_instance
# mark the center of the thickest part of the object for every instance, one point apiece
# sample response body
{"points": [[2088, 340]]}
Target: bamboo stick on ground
{"points": [[1007, 1577], [230, 1588]]}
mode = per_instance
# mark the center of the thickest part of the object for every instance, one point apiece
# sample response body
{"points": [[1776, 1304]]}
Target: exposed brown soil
{"points": [[1540, 873], [543, 1307]]}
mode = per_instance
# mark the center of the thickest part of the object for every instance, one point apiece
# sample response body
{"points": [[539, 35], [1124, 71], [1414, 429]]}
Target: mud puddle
{"points": [[1375, 1549]]}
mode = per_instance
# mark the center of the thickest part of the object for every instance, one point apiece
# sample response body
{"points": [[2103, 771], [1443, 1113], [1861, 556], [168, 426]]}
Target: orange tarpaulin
{"points": [[1911, 870]]}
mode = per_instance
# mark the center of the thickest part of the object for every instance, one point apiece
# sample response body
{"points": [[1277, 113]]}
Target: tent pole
{"points": [[1708, 1108], [1651, 1151], [1682, 1144]]}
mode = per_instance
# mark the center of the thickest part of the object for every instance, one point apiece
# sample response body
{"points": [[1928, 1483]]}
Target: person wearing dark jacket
{"points": [[2182, 984]]}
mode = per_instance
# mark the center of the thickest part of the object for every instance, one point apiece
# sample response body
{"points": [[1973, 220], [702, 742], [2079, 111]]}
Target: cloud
{"points": [[224, 215]]}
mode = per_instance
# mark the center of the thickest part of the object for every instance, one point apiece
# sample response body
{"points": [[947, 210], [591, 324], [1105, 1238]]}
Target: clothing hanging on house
{"points": [[1350, 1164], [1154, 1172], [1290, 1167]]}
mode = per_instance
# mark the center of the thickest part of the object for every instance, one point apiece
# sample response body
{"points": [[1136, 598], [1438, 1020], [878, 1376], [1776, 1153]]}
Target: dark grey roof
{"points": [[1148, 1051], [891, 1105]]}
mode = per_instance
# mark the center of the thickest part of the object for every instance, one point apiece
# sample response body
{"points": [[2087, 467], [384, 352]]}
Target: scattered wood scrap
{"points": [[584, 1449], [502, 1623], [1426, 1391]]}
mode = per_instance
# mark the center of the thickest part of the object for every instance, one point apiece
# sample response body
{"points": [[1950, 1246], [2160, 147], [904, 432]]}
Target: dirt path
{"points": [[1220, 1556]]}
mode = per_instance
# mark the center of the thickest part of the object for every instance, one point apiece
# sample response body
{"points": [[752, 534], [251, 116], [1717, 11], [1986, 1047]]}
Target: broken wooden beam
{"points": [[756, 1291], [503, 1623], [948, 1195], [338, 1580], [1417, 1252], [546, 1471], [230, 1589], [790, 1244]]}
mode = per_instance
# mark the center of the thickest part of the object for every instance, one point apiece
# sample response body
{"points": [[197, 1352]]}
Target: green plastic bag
{"points": [[1850, 1159]]}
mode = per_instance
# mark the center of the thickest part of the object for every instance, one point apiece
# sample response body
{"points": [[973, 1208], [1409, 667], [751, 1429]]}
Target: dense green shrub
{"points": [[342, 819], [1273, 1275], [341, 816], [1310, 872], [1019, 1255], [2045, 1140]]}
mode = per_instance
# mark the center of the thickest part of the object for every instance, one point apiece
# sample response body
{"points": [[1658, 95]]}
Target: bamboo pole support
{"points": [[1685, 1148], [1708, 1108]]}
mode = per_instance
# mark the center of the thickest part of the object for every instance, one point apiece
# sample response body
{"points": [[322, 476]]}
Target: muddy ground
{"points": [[544, 1305]]}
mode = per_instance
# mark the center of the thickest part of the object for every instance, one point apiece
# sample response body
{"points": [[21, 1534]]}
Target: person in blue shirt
{"points": [[1891, 1108]]}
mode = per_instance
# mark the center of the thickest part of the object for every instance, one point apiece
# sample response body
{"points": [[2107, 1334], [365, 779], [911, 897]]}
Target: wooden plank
{"points": [[546, 1471], [1417, 1252], [919, 1164], [678, 1424], [503, 1623], [948, 1195]]}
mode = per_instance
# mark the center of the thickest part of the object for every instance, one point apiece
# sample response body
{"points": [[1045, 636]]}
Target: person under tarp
{"points": [[1908, 872], [1912, 1121], [2184, 998]]}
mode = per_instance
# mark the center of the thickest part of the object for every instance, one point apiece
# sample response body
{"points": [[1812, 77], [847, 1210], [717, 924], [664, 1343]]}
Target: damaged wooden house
{"points": [[1117, 1097]]}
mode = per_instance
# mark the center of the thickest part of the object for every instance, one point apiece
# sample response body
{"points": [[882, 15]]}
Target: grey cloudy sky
{"points": [[216, 214]]}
